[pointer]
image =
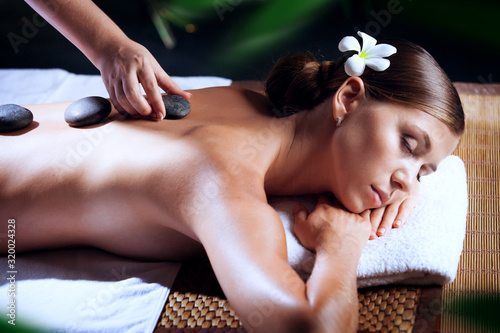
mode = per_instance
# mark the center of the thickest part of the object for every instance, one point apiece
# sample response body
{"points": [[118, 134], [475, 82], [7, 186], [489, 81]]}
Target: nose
{"points": [[405, 178]]}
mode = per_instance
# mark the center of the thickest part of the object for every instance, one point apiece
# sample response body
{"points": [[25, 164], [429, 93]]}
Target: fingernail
{"points": [[373, 235], [397, 223], [159, 116], [381, 231], [190, 95]]}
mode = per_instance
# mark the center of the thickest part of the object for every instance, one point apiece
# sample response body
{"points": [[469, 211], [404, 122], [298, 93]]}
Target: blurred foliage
{"points": [[478, 312], [248, 30], [19, 327], [260, 24]]}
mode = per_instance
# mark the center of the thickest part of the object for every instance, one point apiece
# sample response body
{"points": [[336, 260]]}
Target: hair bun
{"points": [[296, 83]]}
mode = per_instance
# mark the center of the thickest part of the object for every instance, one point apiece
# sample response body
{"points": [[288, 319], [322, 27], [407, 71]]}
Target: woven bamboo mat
{"points": [[197, 304], [478, 276]]}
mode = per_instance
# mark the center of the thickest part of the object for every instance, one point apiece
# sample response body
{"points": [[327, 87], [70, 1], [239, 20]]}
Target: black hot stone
{"points": [[177, 107], [14, 117], [87, 111]]}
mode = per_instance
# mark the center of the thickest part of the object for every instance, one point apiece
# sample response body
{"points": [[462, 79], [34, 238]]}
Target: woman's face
{"points": [[382, 149]]}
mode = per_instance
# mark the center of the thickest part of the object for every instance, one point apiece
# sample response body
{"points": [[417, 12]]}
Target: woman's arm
{"points": [[122, 62], [246, 245]]}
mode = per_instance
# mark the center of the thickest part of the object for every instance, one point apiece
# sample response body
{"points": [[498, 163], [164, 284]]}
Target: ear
{"points": [[348, 96]]}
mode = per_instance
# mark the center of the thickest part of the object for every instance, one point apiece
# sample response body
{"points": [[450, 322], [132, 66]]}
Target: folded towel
{"points": [[86, 290], [426, 250]]}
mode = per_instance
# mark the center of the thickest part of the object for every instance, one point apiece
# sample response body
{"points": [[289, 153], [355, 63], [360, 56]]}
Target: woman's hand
{"points": [[122, 69], [330, 225], [385, 218]]}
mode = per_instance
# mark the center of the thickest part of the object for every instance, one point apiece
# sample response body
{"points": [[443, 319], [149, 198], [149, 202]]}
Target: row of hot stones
{"points": [[84, 112]]}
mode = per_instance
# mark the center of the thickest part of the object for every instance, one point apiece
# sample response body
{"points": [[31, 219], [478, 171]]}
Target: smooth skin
{"points": [[179, 189], [123, 63]]}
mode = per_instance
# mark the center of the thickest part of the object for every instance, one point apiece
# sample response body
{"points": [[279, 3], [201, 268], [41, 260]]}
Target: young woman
{"points": [[176, 189]]}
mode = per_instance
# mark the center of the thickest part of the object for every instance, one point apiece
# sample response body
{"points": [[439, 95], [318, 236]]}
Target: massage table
{"points": [[195, 301]]}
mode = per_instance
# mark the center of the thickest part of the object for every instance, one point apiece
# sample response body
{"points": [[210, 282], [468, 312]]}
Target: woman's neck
{"points": [[301, 165]]}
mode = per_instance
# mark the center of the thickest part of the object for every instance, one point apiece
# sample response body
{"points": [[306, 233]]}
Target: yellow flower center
{"points": [[363, 55]]}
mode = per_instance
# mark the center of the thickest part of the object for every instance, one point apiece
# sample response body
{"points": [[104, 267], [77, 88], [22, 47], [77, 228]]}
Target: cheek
{"points": [[365, 159], [362, 152]]}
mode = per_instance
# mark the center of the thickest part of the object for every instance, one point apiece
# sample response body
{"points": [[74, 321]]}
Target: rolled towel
{"points": [[425, 250]]}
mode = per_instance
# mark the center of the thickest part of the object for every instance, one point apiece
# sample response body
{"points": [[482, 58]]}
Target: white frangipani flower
{"points": [[370, 55]]}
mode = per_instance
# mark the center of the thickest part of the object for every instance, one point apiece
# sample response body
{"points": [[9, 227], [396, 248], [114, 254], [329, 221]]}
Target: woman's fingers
{"points": [[303, 231], [387, 220], [376, 216], [300, 213], [403, 213], [323, 199]]}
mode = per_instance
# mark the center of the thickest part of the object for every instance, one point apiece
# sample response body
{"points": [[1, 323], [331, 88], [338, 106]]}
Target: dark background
{"points": [[461, 35]]}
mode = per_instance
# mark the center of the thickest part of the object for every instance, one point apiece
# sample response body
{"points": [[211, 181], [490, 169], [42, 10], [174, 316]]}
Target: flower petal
{"points": [[378, 64], [368, 41], [354, 66], [381, 50], [349, 43]]}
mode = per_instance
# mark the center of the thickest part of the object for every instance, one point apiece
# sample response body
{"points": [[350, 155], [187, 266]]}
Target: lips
{"points": [[380, 198]]}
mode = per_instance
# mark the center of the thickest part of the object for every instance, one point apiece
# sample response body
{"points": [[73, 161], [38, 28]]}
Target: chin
{"points": [[353, 207]]}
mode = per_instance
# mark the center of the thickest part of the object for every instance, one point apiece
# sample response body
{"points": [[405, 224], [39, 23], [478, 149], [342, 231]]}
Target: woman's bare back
{"points": [[132, 186]]}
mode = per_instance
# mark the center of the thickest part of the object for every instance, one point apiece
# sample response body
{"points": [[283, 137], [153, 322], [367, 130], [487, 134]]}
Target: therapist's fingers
{"points": [[168, 85], [112, 96], [123, 100], [134, 96], [150, 85]]}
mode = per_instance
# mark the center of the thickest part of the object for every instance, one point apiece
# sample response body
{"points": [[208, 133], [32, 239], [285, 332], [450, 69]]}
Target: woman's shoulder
{"points": [[231, 101]]}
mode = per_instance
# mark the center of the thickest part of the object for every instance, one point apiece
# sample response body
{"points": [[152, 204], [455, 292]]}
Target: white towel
{"points": [[426, 250], [38, 86], [86, 290]]}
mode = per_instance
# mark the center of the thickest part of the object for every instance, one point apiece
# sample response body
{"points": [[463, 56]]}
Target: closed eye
{"points": [[407, 146]]}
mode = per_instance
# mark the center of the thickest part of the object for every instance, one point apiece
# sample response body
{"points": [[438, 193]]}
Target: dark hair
{"points": [[300, 82]]}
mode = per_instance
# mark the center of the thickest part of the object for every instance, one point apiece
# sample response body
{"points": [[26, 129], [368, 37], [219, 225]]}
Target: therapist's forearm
{"points": [[82, 23]]}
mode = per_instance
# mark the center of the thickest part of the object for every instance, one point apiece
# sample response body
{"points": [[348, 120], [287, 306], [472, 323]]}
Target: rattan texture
{"points": [[479, 268], [197, 302]]}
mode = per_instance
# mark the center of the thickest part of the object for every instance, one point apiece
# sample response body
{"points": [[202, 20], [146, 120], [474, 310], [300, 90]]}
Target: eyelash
{"points": [[407, 146]]}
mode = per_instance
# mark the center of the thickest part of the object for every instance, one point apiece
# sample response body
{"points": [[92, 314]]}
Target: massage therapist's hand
{"points": [[385, 218], [331, 224], [126, 65]]}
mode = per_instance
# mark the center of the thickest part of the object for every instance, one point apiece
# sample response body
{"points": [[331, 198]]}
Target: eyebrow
{"points": [[428, 145]]}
